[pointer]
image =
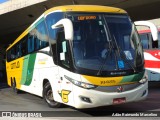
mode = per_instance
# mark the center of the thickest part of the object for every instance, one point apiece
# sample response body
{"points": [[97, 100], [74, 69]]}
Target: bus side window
{"points": [[13, 53], [24, 46], [45, 44], [30, 43], [9, 56], [145, 40], [37, 43], [42, 35], [19, 50]]}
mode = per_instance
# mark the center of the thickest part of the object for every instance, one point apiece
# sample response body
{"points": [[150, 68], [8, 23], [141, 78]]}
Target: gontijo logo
{"points": [[15, 65]]}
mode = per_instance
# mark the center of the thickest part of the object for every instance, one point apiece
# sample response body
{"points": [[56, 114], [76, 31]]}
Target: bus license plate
{"points": [[119, 100]]}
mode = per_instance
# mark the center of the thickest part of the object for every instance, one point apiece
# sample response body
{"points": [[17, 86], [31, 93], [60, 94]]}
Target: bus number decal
{"points": [[64, 95], [108, 82]]}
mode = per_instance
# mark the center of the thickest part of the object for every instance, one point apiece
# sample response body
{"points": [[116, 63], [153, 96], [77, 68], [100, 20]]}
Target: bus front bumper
{"points": [[88, 98]]}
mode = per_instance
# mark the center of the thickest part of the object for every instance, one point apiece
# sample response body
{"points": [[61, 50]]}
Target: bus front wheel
{"points": [[48, 96]]}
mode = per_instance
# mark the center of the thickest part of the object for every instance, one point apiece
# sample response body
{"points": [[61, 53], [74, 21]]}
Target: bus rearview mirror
{"points": [[68, 27], [153, 28]]}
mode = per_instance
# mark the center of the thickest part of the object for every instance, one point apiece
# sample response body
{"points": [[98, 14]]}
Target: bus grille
{"points": [[116, 88]]}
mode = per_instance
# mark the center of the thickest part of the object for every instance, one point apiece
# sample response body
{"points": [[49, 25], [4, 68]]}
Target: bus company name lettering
{"points": [[15, 65], [108, 81]]}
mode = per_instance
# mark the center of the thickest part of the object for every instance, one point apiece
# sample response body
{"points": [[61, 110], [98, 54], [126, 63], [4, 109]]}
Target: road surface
{"points": [[25, 102]]}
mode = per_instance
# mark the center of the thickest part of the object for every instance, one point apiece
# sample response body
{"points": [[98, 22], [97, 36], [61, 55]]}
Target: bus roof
{"points": [[86, 8], [72, 8]]}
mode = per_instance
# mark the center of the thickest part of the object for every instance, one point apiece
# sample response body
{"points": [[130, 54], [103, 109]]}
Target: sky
{"points": [[1, 1]]}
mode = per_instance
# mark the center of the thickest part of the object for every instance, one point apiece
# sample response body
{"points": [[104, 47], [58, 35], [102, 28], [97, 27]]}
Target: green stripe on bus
{"points": [[132, 78], [28, 68], [24, 69]]}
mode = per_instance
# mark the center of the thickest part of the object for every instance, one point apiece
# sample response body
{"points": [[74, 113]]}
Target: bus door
{"points": [[63, 53]]}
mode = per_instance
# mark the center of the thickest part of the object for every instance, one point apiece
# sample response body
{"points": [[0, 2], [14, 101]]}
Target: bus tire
{"points": [[48, 96], [14, 88]]}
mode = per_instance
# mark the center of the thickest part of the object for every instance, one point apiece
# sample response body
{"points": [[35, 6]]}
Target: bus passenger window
{"points": [[19, 50], [9, 56], [42, 35], [30, 43], [145, 41], [13, 53], [24, 47], [37, 43]]}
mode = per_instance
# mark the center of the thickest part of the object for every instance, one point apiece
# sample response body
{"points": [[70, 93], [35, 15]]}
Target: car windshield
{"points": [[105, 42]]}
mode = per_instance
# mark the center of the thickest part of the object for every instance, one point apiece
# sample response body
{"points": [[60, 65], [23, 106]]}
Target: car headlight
{"points": [[80, 84]]}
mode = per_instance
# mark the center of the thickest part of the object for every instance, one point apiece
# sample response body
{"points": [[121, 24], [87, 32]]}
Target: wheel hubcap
{"points": [[50, 95]]}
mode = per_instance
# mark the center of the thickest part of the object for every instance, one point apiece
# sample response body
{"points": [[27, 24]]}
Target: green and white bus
{"points": [[59, 57]]}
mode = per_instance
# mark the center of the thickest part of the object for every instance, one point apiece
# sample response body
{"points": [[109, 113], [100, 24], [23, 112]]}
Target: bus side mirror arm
{"points": [[153, 28], [68, 27]]}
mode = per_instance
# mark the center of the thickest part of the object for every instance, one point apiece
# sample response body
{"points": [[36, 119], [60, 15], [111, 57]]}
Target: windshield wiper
{"points": [[111, 48], [122, 55]]}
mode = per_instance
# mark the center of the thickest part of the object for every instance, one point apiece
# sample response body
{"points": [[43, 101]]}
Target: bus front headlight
{"points": [[80, 84], [143, 80]]}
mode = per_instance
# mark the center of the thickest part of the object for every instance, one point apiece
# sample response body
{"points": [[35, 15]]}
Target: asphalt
{"points": [[26, 104]]}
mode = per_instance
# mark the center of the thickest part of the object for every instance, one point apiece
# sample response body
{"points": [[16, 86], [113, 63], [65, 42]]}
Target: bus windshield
{"points": [[105, 42]]}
